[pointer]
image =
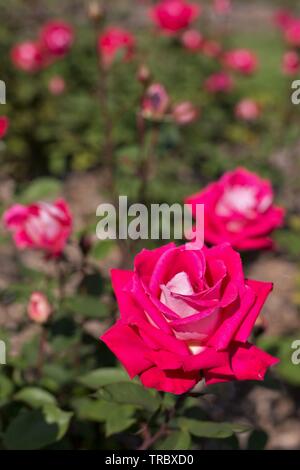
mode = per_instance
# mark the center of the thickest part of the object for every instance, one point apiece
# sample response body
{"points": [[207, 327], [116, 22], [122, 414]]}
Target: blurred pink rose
{"points": [[4, 124], [239, 209], [114, 41], [28, 56], [211, 48], [39, 308], [185, 113], [57, 38], [292, 33], [156, 102], [241, 60], [219, 82], [187, 314], [222, 7], [56, 85], [290, 63], [40, 225], [172, 16], [192, 40], [283, 18], [247, 110]]}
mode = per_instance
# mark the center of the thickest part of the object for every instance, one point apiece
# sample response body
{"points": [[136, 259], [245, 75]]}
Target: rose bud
{"points": [[114, 41], [192, 40], [4, 124], [156, 102], [290, 63], [56, 85], [185, 113], [39, 308], [220, 82], [57, 38], [247, 110], [95, 11], [172, 16], [41, 225], [28, 56], [143, 74]]}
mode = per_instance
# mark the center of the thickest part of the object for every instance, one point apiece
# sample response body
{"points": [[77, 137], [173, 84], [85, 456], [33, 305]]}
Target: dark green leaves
{"points": [[131, 393], [105, 376], [210, 429]]}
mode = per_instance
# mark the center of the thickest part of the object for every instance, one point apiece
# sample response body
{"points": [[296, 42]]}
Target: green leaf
{"points": [[6, 388], [86, 306], [40, 189], [34, 397], [89, 409], [177, 440], [118, 419], [60, 418], [209, 429], [133, 394], [29, 431], [100, 377]]}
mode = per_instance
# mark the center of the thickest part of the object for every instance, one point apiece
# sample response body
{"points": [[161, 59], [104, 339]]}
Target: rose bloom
{"points": [[39, 309], [192, 40], [114, 41], [185, 113], [241, 60], [28, 56], [222, 7], [56, 85], [4, 124], [57, 38], [247, 110], [172, 16], [219, 82], [211, 48], [40, 225], [292, 33], [290, 63], [283, 18], [239, 209], [187, 314], [155, 102]]}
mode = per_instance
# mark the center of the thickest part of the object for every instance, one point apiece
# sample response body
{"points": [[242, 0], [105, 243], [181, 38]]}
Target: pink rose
{"points": [[39, 309], [283, 18], [57, 38], [222, 7], [292, 33], [192, 40], [185, 113], [4, 124], [172, 16], [239, 209], [156, 102], [114, 41], [219, 82], [28, 56], [187, 314], [241, 60], [56, 85], [41, 226], [247, 110], [290, 63]]}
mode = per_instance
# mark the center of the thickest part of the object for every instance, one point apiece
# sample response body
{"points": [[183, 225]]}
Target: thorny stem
{"points": [[163, 430]]}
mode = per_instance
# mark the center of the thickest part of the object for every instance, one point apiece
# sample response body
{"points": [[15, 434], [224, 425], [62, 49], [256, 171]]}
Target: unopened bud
{"points": [[143, 74], [95, 11]]}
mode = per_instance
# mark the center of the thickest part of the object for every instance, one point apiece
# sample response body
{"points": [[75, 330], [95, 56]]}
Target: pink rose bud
{"points": [[56, 85], [247, 110], [28, 56], [290, 63], [57, 38], [222, 7], [41, 225], [113, 42], [172, 16], [192, 40], [143, 74], [211, 48], [39, 309], [240, 210], [156, 102], [292, 33], [185, 113], [241, 60], [219, 82], [4, 124]]}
